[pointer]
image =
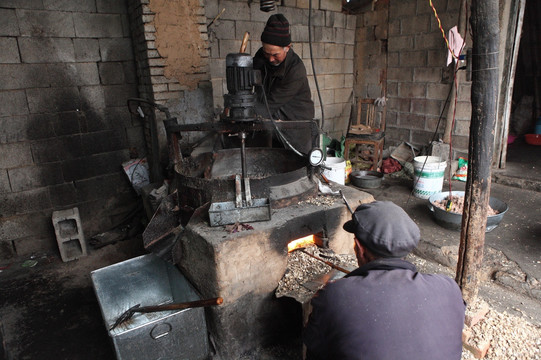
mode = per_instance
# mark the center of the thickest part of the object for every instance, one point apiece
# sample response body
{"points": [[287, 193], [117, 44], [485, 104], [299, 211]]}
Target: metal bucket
{"points": [[453, 221]]}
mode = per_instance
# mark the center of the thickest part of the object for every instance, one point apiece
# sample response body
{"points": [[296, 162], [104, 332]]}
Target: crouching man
{"points": [[385, 309]]}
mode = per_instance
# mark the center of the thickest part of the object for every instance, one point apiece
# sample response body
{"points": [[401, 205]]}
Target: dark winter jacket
{"points": [[386, 310], [286, 87]]}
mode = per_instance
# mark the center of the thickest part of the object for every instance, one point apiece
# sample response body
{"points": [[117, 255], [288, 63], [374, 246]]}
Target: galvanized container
{"points": [[149, 280]]}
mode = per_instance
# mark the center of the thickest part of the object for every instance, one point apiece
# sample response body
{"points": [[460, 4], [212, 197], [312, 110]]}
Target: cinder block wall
{"points": [[67, 69], [333, 42], [418, 80]]}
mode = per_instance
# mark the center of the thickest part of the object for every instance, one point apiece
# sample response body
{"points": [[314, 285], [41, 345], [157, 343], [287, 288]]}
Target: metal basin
{"points": [[366, 179], [453, 221]]}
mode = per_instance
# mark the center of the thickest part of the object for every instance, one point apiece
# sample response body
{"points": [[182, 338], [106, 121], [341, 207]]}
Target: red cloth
{"points": [[390, 165]]}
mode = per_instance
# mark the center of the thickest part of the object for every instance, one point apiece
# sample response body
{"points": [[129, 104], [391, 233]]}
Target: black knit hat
{"points": [[276, 31]]}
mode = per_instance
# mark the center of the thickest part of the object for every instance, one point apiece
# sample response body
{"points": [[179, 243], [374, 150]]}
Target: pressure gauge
{"points": [[315, 157]]}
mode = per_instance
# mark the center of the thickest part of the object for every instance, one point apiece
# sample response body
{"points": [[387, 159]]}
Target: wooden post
{"points": [[485, 27]]}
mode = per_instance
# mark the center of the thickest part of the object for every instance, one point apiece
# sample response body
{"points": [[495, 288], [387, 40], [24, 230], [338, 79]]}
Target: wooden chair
{"points": [[365, 137]]}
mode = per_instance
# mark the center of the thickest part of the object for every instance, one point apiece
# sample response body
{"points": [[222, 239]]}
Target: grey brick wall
{"points": [[67, 69], [333, 42], [417, 78]]}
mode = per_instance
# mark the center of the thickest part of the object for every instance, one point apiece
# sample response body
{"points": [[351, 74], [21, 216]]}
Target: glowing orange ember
{"points": [[301, 243]]}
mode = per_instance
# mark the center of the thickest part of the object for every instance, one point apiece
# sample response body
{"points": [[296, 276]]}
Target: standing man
{"points": [[385, 309], [284, 76]]}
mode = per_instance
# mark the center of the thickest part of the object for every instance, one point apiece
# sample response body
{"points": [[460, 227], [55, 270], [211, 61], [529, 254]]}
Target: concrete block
{"points": [[295, 16], [7, 250], [463, 110], [30, 177], [339, 35], [118, 49], [438, 91], [103, 141], [5, 186], [437, 58], [399, 104], [56, 149], [400, 43], [97, 25], [237, 10], [111, 7], [13, 103], [45, 23], [225, 29], [68, 123], [73, 74], [413, 58], [402, 9], [15, 155], [86, 49], [13, 129], [25, 202], [10, 51], [323, 34], [92, 97], [8, 25], [412, 90], [117, 95], [35, 224], [332, 5], [429, 41], [426, 107], [349, 51], [228, 46], [63, 195], [22, 76], [349, 37], [336, 20], [74, 6], [299, 33], [335, 81], [69, 234], [94, 165], [46, 50], [415, 25], [111, 73], [53, 99], [40, 126]]}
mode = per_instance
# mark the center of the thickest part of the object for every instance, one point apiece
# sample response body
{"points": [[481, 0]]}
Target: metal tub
{"points": [[149, 280]]}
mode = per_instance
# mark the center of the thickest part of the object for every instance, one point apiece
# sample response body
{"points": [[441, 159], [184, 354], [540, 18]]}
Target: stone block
{"points": [[413, 58], [399, 104], [8, 25], [335, 81], [117, 49], [438, 91], [336, 20], [15, 155], [400, 74], [117, 95], [478, 350], [94, 165], [86, 49], [463, 110], [228, 46], [427, 74], [10, 51], [30, 177], [69, 234], [323, 34], [299, 33], [100, 187], [45, 23], [13, 103], [225, 29], [448, 20], [437, 57], [46, 50], [53, 99], [25, 202], [97, 25]]}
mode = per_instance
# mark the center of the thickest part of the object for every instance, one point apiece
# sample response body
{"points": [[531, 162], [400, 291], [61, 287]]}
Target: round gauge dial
{"points": [[315, 157]]}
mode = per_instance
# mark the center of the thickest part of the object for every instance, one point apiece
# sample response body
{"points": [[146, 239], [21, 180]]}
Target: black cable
{"points": [[312, 61]]}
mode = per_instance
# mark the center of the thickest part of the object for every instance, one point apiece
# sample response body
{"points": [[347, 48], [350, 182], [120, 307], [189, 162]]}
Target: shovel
{"points": [[126, 315]]}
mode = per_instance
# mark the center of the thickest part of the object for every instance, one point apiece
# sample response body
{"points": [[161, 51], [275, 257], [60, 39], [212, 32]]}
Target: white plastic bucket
{"points": [[428, 176], [337, 171]]}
